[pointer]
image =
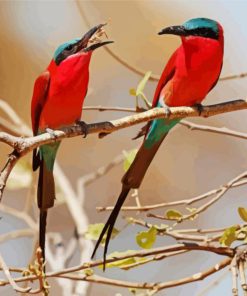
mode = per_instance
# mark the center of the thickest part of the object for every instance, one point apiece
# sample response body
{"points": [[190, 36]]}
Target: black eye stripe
{"points": [[69, 47], [204, 32], [69, 50]]}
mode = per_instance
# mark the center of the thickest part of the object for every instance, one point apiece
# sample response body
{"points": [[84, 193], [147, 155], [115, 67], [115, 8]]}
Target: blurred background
{"points": [[190, 163]]}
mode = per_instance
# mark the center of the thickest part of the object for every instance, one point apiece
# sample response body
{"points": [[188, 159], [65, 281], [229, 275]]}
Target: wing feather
{"points": [[40, 94]]}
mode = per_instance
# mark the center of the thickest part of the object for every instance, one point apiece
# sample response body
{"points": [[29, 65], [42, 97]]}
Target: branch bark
{"points": [[24, 145]]}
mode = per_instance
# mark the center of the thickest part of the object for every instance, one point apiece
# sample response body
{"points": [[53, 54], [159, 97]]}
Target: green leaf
{"points": [[142, 83], [173, 214], [129, 157], [146, 239], [94, 231], [132, 92], [21, 176], [243, 213], [229, 236], [124, 263]]}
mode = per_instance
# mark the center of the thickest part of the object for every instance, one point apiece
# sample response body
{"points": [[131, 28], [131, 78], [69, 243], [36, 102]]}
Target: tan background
{"points": [[188, 164]]}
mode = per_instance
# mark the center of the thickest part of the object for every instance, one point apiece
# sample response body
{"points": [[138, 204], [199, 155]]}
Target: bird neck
{"points": [[202, 47], [73, 63], [71, 73]]}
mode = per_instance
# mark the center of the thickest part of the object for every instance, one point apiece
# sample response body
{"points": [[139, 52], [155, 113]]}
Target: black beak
{"points": [[97, 45], [174, 30], [84, 40]]}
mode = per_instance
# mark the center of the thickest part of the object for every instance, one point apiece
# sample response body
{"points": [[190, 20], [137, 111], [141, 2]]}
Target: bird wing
{"points": [[39, 98], [216, 79], [166, 76], [40, 91]]}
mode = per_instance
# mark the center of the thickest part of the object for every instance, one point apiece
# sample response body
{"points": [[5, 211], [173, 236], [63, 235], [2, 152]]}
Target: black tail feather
{"points": [[36, 160], [132, 179], [108, 228], [45, 200], [42, 231]]}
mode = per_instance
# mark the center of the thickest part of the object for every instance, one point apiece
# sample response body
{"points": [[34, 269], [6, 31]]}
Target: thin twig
{"points": [[152, 286], [205, 206], [174, 203], [213, 248], [113, 108], [242, 277], [17, 234], [10, 279], [216, 130], [234, 270]]}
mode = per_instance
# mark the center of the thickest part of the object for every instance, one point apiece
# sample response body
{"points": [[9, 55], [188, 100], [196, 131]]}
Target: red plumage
{"points": [[59, 93]]}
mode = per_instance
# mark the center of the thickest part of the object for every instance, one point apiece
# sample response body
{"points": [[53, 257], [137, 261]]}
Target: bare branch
{"points": [[113, 108], [25, 145], [216, 130], [234, 270], [10, 279], [16, 234], [89, 178], [149, 286], [224, 251], [204, 207], [179, 202], [20, 215], [153, 286], [233, 76]]}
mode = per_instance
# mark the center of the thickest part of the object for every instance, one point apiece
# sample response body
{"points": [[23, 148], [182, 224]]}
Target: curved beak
{"points": [[174, 30], [86, 38], [97, 45]]}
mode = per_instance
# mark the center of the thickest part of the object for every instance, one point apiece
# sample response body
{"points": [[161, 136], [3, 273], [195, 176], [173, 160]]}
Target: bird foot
{"points": [[199, 107], [51, 132], [83, 126], [167, 111]]}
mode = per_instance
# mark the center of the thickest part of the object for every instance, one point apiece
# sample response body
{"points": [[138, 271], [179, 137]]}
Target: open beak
{"points": [[97, 45], [174, 30], [94, 33]]}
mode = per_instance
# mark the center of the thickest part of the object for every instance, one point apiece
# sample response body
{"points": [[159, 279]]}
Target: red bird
{"points": [[57, 101], [192, 71]]}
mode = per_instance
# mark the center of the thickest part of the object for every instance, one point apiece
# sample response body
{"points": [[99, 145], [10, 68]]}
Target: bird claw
{"points": [[167, 111], [199, 107], [83, 126], [51, 132]]}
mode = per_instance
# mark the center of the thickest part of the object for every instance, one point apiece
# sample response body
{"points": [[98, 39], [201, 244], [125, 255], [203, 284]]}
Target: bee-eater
{"points": [[191, 72], [57, 101]]}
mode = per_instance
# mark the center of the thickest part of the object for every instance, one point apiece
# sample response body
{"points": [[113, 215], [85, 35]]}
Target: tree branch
{"points": [[179, 202], [216, 130], [152, 286], [223, 251], [10, 279], [205, 206], [24, 145]]}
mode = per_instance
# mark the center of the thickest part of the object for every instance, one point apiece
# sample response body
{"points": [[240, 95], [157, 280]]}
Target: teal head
{"points": [[199, 27], [86, 44]]}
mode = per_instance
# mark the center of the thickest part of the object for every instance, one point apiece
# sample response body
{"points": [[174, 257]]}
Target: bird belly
{"points": [[191, 87], [62, 109], [197, 70]]}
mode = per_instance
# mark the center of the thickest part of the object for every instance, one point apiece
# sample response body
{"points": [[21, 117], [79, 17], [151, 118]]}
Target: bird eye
{"points": [[69, 47]]}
